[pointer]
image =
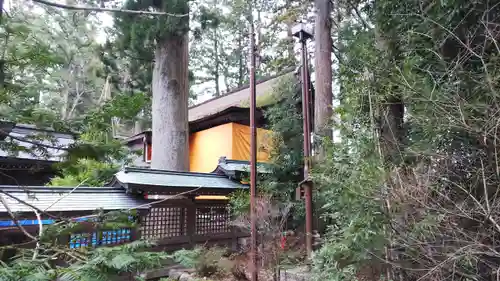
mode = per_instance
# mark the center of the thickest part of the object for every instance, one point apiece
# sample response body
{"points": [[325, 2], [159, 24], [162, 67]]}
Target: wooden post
{"points": [[182, 219], [191, 222]]}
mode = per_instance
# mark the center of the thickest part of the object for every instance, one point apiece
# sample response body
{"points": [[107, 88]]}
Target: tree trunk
{"points": [[65, 101], [291, 20], [323, 62], [217, 63], [391, 129], [240, 59], [170, 105], [291, 42]]}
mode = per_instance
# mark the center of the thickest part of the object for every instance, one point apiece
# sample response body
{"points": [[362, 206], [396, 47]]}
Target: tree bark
{"points": [[391, 129], [323, 62], [170, 105], [291, 20], [240, 59], [217, 63]]}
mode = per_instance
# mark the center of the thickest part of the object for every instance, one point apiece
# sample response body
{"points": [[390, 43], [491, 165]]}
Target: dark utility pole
{"points": [[253, 152], [301, 32]]}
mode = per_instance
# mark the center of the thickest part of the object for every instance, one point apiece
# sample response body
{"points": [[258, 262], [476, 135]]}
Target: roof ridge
{"points": [[169, 172], [246, 86], [50, 130], [16, 188], [241, 161]]}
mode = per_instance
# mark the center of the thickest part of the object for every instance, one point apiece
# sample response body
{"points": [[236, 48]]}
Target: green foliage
{"points": [[240, 202], [101, 264], [352, 177], [50, 78], [432, 58], [96, 156], [286, 158], [48, 71], [86, 172], [285, 123], [100, 220], [113, 261], [351, 180], [206, 261]]}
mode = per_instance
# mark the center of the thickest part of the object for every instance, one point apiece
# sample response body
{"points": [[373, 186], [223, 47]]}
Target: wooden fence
{"points": [[183, 224]]}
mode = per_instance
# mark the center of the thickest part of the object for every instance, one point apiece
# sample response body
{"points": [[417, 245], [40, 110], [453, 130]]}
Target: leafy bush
{"points": [[101, 264], [86, 172], [206, 261], [239, 203]]}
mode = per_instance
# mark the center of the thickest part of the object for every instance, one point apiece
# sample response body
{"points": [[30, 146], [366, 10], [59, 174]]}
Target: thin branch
{"points": [[112, 10], [40, 232], [139, 206], [66, 195], [485, 212], [2, 132], [360, 17], [13, 217], [28, 204], [165, 199], [336, 53]]}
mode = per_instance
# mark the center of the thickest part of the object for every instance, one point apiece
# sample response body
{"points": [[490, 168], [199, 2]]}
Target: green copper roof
{"points": [[242, 166], [146, 176]]}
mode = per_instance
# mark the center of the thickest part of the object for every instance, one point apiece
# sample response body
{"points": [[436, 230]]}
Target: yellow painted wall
{"points": [[231, 140], [207, 146], [241, 143]]}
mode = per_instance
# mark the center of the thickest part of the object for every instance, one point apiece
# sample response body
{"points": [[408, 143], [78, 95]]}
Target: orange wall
{"points": [[231, 140], [207, 146], [241, 143]]}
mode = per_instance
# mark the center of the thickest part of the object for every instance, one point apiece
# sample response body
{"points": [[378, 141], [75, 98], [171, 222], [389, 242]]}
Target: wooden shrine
{"points": [[175, 209], [32, 167], [187, 209]]}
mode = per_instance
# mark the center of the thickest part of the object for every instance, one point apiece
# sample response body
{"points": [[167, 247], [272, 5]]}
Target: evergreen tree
{"points": [[166, 41]]}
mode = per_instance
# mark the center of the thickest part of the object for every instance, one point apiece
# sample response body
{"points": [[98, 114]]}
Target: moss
{"points": [[275, 94]]}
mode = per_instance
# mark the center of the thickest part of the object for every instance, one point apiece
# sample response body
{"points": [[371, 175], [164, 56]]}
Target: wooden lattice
{"points": [[164, 222], [212, 219]]}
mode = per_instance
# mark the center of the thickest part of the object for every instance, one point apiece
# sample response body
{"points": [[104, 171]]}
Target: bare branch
{"points": [[13, 217], [2, 132], [66, 195], [28, 204], [112, 10], [359, 16], [141, 206], [40, 232]]}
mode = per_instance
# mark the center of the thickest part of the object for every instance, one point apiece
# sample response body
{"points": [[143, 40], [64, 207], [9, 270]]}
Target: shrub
{"points": [[205, 261]]}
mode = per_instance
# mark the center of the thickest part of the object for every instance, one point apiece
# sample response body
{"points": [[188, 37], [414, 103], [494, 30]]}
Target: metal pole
{"points": [[253, 154], [307, 146]]}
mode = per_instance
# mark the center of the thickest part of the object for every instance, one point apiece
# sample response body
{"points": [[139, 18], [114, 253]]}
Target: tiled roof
{"points": [[146, 176], [242, 166], [81, 199], [31, 133]]}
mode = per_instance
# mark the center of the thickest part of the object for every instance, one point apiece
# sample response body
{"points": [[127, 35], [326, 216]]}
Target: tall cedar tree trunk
{"points": [[2, 59], [240, 59], [391, 129], [170, 105], [323, 62], [217, 63], [392, 133], [291, 20]]}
